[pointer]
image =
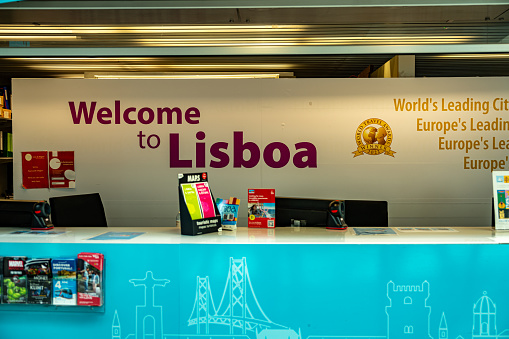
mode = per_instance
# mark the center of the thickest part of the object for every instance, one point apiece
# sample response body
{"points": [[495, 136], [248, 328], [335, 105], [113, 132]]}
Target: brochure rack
{"points": [[43, 283], [52, 308], [198, 211], [501, 199]]}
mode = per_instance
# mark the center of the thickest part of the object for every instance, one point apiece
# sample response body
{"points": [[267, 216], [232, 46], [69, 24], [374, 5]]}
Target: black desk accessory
{"points": [[25, 213], [336, 216]]}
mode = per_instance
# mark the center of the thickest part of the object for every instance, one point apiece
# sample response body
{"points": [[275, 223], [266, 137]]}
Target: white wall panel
{"points": [[424, 185]]}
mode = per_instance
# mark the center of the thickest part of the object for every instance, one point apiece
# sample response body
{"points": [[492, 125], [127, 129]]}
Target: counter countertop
{"points": [[281, 235]]}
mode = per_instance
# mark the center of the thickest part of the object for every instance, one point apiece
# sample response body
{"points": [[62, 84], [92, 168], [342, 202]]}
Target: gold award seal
{"points": [[373, 137]]}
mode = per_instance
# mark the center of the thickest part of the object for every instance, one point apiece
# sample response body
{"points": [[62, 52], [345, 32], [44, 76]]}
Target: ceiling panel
{"points": [[295, 15], [38, 38]]}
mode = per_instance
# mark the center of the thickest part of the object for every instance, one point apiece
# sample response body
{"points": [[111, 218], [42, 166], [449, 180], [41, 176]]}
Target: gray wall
{"points": [[423, 184]]}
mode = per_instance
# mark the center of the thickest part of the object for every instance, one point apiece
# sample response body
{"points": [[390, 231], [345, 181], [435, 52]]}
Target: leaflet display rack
{"points": [[501, 199], [35, 284], [198, 211]]}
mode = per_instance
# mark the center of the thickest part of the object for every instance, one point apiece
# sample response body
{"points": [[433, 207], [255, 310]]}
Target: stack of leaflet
{"points": [[39, 281], [198, 211], [90, 287], [64, 281]]}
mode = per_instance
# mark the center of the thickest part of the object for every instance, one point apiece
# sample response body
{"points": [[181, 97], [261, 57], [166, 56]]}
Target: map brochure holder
{"points": [[198, 211], [501, 199]]}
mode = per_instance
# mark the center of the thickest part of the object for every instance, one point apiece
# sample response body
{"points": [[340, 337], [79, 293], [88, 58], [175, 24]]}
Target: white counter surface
{"points": [[282, 235]]}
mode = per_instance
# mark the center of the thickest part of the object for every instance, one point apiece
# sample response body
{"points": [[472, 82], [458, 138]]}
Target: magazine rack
{"points": [[198, 211], [501, 199]]}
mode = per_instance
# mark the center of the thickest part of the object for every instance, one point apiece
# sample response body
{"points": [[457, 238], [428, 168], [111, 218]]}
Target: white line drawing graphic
{"points": [[115, 327], [443, 332], [238, 309], [149, 316], [278, 334], [240, 316], [485, 318], [410, 312]]}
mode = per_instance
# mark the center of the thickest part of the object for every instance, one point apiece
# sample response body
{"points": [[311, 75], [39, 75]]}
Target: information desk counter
{"points": [[283, 283]]}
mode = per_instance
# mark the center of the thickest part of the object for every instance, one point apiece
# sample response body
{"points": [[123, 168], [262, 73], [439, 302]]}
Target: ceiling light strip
{"points": [[254, 50], [203, 4]]}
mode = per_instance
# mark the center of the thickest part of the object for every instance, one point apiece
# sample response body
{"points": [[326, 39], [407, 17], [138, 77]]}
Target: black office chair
{"points": [[312, 211], [82, 210], [369, 213]]}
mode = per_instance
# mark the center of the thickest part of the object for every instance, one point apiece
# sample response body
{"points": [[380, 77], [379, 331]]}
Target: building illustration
{"points": [[408, 314], [485, 319], [239, 314]]}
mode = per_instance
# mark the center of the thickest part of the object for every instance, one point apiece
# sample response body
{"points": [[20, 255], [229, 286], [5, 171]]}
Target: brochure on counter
{"points": [[229, 210], [117, 236], [198, 211], [501, 199], [373, 230], [36, 233], [261, 206], [426, 229]]}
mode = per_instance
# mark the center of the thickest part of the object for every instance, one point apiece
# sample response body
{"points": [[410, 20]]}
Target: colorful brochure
{"points": [[39, 281], [64, 281], [501, 199], [90, 275], [198, 200], [14, 287], [206, 203], [261, 204], [229, 210]]}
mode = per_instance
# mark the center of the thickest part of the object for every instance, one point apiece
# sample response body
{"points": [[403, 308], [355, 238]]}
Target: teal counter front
{"points": [[287, 283]]}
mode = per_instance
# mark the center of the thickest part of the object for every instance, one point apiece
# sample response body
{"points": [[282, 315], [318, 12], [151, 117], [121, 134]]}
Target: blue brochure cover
{"points": [[229, 210]]}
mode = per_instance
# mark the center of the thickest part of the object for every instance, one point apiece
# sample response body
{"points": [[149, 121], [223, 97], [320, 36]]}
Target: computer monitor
{"points": [[371, 213]]}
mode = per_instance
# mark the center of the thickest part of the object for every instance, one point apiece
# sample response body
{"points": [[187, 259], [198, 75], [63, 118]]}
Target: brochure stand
{"points": [[501, 199], [198, 212]]}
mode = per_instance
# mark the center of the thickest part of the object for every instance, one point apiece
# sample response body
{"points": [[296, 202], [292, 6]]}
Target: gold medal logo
{"points": [[373, 137]]}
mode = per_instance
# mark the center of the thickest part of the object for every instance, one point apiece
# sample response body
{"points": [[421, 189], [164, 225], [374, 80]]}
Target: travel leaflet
{"points": [[198, 200]]}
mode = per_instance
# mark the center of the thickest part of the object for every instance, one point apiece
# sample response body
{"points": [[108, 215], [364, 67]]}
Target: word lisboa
{"points": [[275, 155]]}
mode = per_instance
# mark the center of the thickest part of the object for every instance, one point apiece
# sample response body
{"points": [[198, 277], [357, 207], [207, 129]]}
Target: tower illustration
{"points": [[149, 317], [485, 318], [408, 315], [443, 332], [115, 327]]}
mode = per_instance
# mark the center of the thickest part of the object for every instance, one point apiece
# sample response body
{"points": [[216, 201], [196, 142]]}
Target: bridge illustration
{"points": [[238, 310]]}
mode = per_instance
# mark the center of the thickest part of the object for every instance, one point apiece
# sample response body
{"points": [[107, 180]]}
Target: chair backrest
{"points": [[82, 210], [366, 213], [313, 211]]}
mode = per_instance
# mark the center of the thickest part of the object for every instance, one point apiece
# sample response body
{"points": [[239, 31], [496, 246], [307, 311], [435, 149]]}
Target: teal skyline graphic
{"points": [[239, 313]]}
